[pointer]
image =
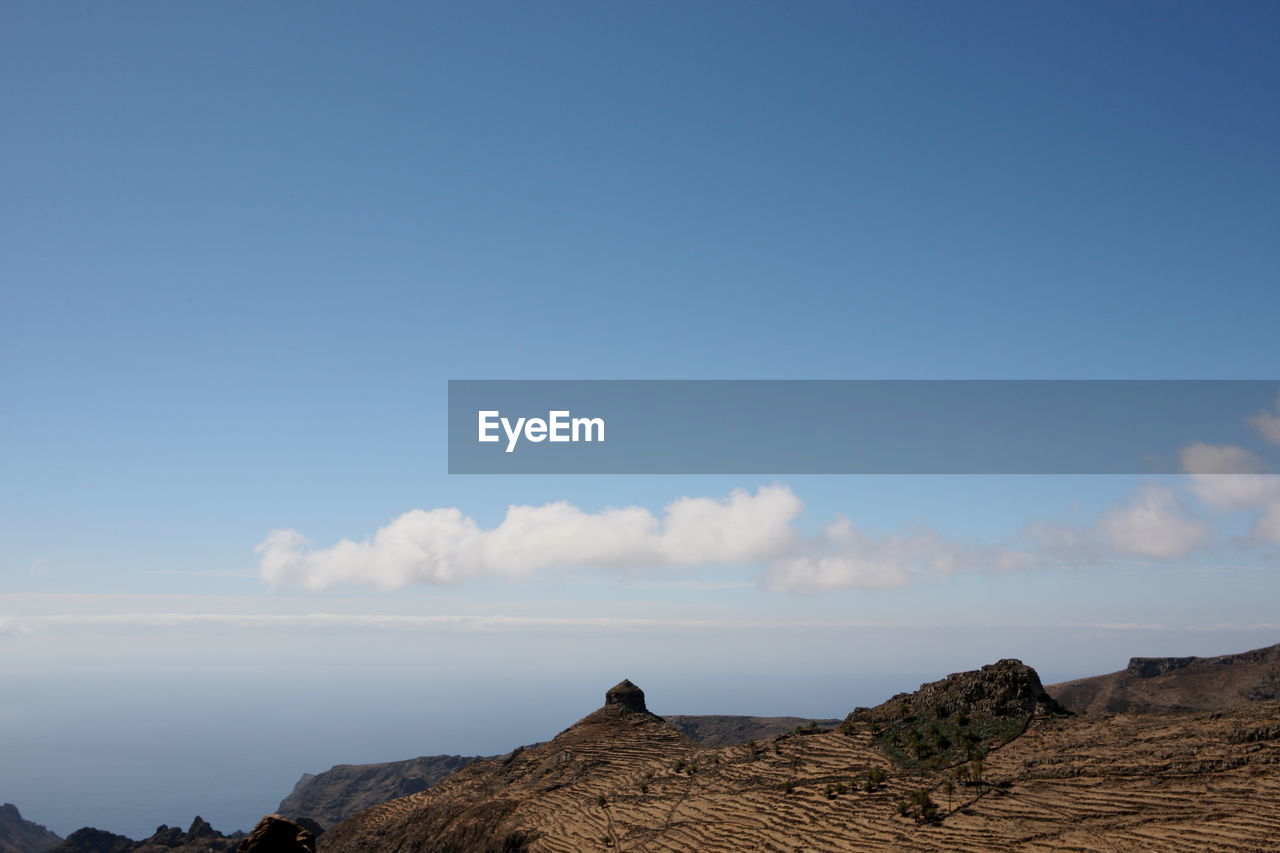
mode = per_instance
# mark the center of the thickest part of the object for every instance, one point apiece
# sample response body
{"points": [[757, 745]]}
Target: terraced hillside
{"points": [[339, 792], [623, 779]]}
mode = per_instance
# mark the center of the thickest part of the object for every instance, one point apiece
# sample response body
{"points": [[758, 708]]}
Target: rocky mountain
{"points": [[978, 761], [199, 838], [345, 789], [22, 836], [1161, 685], [958, 717]]}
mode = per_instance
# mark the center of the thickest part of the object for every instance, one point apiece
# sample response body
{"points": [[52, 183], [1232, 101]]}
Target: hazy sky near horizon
{"points": [[248, 244]]}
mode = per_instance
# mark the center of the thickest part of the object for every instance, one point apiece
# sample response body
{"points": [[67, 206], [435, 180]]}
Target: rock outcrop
{"points": [[22, 836], [93, 840], [1007, 688], [277, 834], [199, 838], [960, 717], [1151, 667], [627, 695]]}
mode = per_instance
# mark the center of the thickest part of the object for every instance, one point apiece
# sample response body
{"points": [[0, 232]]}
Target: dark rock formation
{"points": [[627, 695], [277, 834], [958, 718], [22, 836], [1008, 688], [1151, 667], [92, 840], [200, 828], [200, 838]]}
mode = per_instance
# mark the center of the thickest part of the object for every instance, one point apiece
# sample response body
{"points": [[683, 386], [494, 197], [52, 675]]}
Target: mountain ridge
{"points": [[1173, 684]]}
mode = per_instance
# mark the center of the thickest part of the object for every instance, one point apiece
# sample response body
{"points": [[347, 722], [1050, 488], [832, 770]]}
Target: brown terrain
{"points": [[979, 761], [1168, 754], [336, 794], [1156, 685]]}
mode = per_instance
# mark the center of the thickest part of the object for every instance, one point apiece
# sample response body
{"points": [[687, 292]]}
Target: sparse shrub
{"points": [[921, 806], [788, 786], [601, 800], [680, 765]]}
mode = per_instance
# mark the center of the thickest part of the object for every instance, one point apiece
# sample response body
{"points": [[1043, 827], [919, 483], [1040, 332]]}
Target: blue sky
{"points": [[248, 244]]}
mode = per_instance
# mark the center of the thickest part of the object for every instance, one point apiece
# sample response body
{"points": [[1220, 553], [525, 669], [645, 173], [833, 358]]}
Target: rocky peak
{"points": [[1007, 688], [277, 834], [1151, 667], [627, 695], [200, 828], [18, 835]]}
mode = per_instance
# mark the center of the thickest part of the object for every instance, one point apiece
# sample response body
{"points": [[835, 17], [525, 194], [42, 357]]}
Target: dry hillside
{"points": [[1157, 685], [1025, 776]]}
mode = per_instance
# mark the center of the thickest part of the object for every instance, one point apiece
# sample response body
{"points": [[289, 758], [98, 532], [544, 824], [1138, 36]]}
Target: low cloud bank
{"points": [[445, 546]]}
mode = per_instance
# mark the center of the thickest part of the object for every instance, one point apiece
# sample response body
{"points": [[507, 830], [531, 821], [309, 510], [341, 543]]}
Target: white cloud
{"points": [[1065, 542], [445, 546], [1267, 527], [1244, 488], [1155, 523], [1229, 477], [845, 556], [1268, 424]]}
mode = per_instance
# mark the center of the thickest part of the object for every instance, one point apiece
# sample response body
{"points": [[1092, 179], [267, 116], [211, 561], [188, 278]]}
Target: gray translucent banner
{"points": [[850, 426]]}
